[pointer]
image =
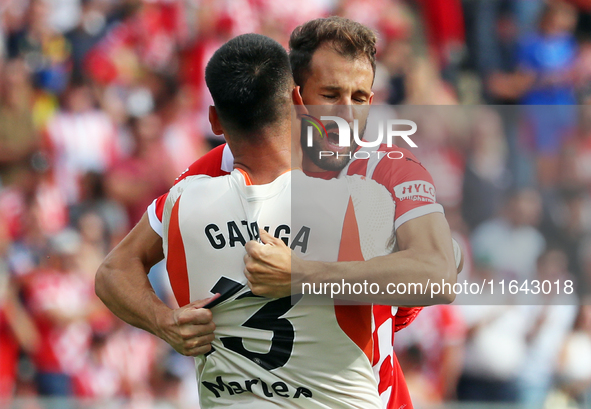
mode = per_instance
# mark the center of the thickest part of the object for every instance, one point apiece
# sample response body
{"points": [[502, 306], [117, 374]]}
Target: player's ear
{"points": [[214, 120], [298, 102], [296, 95], [370, 100]]}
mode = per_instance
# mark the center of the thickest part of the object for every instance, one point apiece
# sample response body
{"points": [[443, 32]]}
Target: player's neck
{"points": [[263, 164], [265, 156]]}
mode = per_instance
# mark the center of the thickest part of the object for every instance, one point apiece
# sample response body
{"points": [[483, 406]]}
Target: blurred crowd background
{"points": [[103, 104]]}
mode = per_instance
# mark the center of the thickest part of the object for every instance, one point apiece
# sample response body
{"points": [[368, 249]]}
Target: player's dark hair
{"points": [[347, 37], [250, 81]]}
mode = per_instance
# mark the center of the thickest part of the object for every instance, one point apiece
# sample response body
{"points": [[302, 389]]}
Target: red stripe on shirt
{"points": [[354, 320], [176, 261]]}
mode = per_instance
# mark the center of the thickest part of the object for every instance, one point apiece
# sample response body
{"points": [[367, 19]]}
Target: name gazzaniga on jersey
{"points": [[238, 232]]}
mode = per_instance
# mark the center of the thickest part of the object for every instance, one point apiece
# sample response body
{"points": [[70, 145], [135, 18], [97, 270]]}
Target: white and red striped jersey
{"points": [[63, 346], [80, 143], [411, 187], [299, 351]]}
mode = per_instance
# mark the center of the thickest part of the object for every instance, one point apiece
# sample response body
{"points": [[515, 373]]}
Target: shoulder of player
{"points": [[392, 159], [190, 183], [203, 181], [212, 163]]}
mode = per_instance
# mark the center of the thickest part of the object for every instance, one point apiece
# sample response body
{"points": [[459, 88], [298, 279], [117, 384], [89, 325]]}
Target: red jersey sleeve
{"points": [[409, 183], [217, 162], [412, 190]]}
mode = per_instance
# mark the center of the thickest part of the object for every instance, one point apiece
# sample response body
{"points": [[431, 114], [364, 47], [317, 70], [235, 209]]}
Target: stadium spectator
{"points": [[510, 244], [439, 154], [80, 139], [575, 168], [495, 352], [136, 180], [548, 57], [19, 139], [93, 243], [552, 322], [570, 231], [486, 175], [574, 372], [93, 199], [17, 330], [45, 49], [182, 129], [439, 334], [61, 301]]}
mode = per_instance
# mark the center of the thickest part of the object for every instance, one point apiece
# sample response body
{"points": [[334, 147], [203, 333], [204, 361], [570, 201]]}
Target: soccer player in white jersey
{"points": [[270, 353]]}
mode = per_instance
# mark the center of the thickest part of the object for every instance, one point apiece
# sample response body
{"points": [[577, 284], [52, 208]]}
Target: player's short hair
{"points": [[347, 37], [250, 81]]}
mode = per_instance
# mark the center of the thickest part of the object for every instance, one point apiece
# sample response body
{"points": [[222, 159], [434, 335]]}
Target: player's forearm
{"points": [[410, 268], [122, 280], [122, 284]]}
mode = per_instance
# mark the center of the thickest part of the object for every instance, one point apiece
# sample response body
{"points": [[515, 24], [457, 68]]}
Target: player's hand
{"points": [[189, 329], [268, 267]]}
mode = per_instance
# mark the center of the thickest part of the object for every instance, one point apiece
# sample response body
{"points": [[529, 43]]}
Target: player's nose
{"points": [[346, 112]]}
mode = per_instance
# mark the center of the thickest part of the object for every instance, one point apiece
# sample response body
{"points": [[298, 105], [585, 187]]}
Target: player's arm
{"points": [[122, 284], [425, 256], [425, 253], [122, 280]]}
